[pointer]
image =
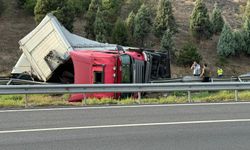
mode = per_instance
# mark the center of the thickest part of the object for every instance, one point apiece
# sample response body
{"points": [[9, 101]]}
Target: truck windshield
{"points": [[126, 69]]}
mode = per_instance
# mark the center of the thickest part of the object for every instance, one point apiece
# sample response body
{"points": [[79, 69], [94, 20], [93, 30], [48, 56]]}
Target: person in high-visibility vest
{"points": [[220, 72]]}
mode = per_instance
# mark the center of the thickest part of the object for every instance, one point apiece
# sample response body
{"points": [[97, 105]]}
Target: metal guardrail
{"points": [[186, 79], [95, 88], [198, 79]]}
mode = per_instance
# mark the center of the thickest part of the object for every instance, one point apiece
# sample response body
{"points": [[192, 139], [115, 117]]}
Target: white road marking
{"points": [[124, 125], [120, 107]]}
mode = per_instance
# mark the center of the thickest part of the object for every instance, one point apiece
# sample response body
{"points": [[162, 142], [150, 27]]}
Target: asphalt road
{"points": [[166, 127]]}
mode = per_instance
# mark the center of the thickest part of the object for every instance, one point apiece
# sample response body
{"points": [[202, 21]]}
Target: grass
{"points": [[10, 101], [213, 96], [18, 101]]}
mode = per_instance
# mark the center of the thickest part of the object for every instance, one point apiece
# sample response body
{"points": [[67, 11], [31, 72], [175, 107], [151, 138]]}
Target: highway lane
{"points": [[156, 127]]}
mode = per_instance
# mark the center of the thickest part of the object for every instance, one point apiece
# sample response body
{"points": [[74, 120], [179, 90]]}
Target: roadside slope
{"points": [[15, 24]]}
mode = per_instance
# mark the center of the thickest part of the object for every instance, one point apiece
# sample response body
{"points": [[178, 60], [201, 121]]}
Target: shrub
{"points": [[80, 6], [200, 25], [60, 8], [142, 24], [188, 54], [240, 44], [1, 7], [217, 20], [130, 24], [112, 6], [20, 3], [167, 43], [120, 33], [246, 36], [99, 27], [246, 14], [90, 18], [226, 45], [164, 19], [134, 5], [100, 37], [110, 10], [29, 6]]}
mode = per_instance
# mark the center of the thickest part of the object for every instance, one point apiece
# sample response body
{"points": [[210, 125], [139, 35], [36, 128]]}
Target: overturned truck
{"points": [[52, 54]]}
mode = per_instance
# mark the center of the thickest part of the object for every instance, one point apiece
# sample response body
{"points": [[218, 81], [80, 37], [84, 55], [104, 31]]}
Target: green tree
{"points": [[29, 6], [246, 29], [134, 5], [188, 54], [120, 33], [226, 45], [142, 24], [100, 37], [99, 27], [85, 4], [240, 44], [164, 19], [246, 14], [200, 25], [113, 6], [217, 19], [80, 6], [167, 43], [1, 7], [110, 10], [60, 8], [130, 24], [20, 3], [90, 18]]}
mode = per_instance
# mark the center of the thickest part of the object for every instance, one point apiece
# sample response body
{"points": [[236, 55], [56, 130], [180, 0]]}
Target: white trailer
{"points": [[47, 47]]}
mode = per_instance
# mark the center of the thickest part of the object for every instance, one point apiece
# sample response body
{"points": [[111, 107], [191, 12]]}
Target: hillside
{"points": [[231, 12], [15, 23]]}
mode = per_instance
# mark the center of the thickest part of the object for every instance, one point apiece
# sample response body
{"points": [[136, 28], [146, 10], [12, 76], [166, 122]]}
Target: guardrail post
{"points": [[139, 97], [189, 97], [84, 100], [26, 101], [236, 95]]}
